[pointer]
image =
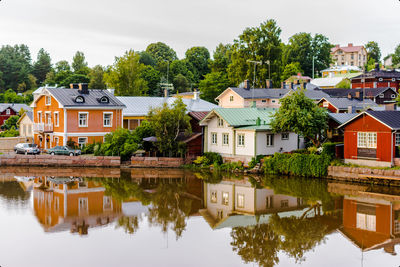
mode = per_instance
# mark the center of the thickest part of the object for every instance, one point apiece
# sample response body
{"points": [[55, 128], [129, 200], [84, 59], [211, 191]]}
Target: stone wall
{"points": [[8, 143], [49, 160], [156, 162], [360, 174]]}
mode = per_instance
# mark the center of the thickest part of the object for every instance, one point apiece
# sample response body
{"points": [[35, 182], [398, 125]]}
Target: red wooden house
{"points": [[371, 137], [377, 78], [8, 109]]}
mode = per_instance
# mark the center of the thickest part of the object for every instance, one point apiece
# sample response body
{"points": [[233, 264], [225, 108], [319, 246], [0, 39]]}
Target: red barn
{"points": [[377, 78], [9, 109], [371, 137]]}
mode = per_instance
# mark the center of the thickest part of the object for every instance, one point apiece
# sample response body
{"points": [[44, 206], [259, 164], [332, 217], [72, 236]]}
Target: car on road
{"points": [[63, 150], [26, 148]]}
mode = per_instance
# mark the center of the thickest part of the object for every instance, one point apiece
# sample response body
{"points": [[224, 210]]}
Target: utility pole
{"points": [[254, 74], [313, 67], [269, 69]]}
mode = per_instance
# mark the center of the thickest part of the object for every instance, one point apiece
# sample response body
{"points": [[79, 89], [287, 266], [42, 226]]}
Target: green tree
{"points": [[79, 65], [162, 54], [181, 84], [74, 78], [147, 59], [181, 67], [11, 122], [221, 58], [396, 56], [125, 75], [96, 76], [152, 78], [42, 66], [213, 85], [261, 44], [373, 51], [301, 115], [198, 58], [120, 142], [291, 69], [345, 84], [168, 122]]}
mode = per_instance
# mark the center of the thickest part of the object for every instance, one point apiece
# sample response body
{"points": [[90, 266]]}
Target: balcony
{"points": [[43, 127]]}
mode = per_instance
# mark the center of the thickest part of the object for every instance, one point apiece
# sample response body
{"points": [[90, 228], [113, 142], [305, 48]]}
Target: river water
{"points": [[137, 217]]}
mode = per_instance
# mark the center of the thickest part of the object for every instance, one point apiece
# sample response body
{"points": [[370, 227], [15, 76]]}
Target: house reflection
{"points": [[73, 204], [233, 203]]}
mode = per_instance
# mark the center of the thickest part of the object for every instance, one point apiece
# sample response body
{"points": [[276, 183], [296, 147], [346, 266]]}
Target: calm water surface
{"points": [[95, 217]]}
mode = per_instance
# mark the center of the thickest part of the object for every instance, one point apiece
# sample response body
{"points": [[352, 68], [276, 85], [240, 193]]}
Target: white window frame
{"points": [[214, 138], [56, 118], [381, 95], [325, 104], [107, 199], [367, 140], [82, 143], [87, 119], [48, 100], [393, 96], [225, 139], [47, 117], [8, 111], [220, 122], [225, 198], [240, 201], [241, 140], [86, 200], [285, 136], [111, 119], [269, 141], [213, 196]]}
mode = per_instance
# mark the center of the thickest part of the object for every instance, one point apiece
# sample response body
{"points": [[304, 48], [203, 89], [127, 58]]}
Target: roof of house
{"points": [[327, 82], [198, 115], [345, 103], [391, 118], [29, 114], [315, 94], [16, 107], [341, 68], [347, 49], [140, 105], [260, 92], [298, 77], [378, 73], [243, 117], [342, 117], [67, 96], [369, 92]]}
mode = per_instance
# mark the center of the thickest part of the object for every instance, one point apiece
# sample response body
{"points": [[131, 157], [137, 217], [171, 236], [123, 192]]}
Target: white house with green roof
{"points": [[243, 133]]}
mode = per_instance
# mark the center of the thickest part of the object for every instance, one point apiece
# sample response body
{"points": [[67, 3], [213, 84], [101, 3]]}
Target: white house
{"points": [[243, 133]]}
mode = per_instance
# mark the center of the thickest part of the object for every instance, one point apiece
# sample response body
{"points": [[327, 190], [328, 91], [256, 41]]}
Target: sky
{"points": [[106, 29]]}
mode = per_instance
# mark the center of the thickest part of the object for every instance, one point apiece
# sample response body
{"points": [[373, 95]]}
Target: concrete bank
{"points": [[355, 174], [65, 161], [156, 162]]}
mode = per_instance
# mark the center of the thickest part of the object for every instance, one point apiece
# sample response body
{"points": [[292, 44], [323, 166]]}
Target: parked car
{"points": [[63, 150], [26, 148]]}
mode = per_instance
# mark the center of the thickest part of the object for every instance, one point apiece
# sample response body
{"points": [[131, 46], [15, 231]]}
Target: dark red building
{"points": [[9, 109], [194, 142], [377, 78]]}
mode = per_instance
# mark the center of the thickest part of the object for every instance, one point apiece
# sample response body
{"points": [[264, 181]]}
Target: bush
{"points": [[88, 149], [329, 149], [312, 150], [213, 157], [10, 133], [301, 151], [255, 160], [202, 161]]}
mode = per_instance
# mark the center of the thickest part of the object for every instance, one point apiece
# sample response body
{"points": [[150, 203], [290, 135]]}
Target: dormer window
{"points": [[8, 111], [79, 99], [104, 99], [48, 100]]}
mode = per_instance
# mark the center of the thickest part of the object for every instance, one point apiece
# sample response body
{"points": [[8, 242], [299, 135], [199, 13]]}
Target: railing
{"points": [[42, 127]]}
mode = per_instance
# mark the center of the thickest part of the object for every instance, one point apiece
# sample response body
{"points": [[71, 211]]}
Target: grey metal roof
{"points": [[344, 103], [369, 92], [389, 117], [260, 92], [315, 94], [29, 114], [67, 97], [342, 117], [140, 105], [15, 107]]}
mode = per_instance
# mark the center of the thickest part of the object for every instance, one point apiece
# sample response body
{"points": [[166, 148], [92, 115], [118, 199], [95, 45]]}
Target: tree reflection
{"points": [[130, 224]]}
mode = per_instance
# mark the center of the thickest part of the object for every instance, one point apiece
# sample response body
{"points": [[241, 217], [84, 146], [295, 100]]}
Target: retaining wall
{"points": [[49, 160], [359, 174], [156, 162], [8, 143]]}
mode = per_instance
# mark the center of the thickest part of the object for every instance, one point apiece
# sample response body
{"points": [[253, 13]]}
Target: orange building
{"points": [[77, 114]]}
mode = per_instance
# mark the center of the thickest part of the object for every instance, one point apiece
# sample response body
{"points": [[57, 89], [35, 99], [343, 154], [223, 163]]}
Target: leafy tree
{"points": [[198, 57], [301, 115], [291, 69], [147, 59], [42, 66], [118, 143], [96, 76], [15, 65], [168, 122], [181, 67], [10, 133], [373, 50], [62, 65], [162, 54], [261, 44], [10, 96], [396, 55], [222, 58], [11, 122], [144, 130], [213, 85], [32, 82], [74, 78], [181, 84], [125, 75], [79, 65], [152, 77]]}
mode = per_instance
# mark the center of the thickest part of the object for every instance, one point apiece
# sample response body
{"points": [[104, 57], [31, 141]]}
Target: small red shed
{"points": [[371, 137]]}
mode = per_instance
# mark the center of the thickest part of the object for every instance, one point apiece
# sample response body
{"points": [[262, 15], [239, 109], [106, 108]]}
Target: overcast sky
{"points": [[105, 29]]}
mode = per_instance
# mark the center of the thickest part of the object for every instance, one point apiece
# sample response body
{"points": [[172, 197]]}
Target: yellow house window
{"points": [[231, 98]]}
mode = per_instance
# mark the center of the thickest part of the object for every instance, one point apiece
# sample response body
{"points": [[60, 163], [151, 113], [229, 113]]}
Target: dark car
{"points": [[26, 148], [63, 150]]}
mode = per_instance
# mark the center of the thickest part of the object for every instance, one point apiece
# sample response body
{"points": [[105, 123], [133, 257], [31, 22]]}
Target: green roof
{"points": [[240, 117]]}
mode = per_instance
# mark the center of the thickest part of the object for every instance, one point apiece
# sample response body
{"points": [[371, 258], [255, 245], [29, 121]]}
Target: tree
{"points": [[181, 67], [42, 66], [261, 44], [147, 59], [396, 55], [291, 69], [213, 85], [373, 51], [198, 58], [152, 78], [168, 122], [79, 65], [125, 75], [181, 84], [221, 58], [301, 115], [120, 142], [96, 76], [74, 78], [162, 54]]}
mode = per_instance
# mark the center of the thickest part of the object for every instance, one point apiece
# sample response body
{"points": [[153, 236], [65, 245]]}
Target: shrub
{"points": [[202, 161], [312, 150], [255, 160], [10, 133], [329, 149], [213, 157], [88, 149], [301, 151]]}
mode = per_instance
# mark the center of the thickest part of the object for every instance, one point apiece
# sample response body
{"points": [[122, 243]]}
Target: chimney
{"points": [[390, 106], [377, 68], [196, 95], [269, 84], [358, 95], [351, 109], [337, 46], [165, 92], [349, 96], [350, 45], [246, 84], [74, 85], [83, 88]]}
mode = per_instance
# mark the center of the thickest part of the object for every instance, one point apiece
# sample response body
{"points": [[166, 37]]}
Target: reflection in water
{"points": [[265, 216]]}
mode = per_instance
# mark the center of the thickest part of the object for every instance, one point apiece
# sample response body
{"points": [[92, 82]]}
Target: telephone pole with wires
{"points": [[254, 74]]}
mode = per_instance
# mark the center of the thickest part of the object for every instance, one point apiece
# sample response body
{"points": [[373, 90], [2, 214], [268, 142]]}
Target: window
{"points": [[240, 139], [107, 119], [80, 99], [56, 140], [240, 200], [214, 138], [48, 100], [393, 79], [366, 140], [220, 122], [269, 202], [225, 198], [325, 104], [263, 101], [273, 101], [352, 56], [393, 96], [8, 111], [352, 63], [83, 119], [397, 139], [285, 136], [48, 117], [380, 79], [231, 98], [213, 197], [225, 139], [284, 203], [56, 119], [107, 203], [270, 139], [104, 99], [39, 115], [381, 96], [82, 141], [83, 205], [56, 204]]}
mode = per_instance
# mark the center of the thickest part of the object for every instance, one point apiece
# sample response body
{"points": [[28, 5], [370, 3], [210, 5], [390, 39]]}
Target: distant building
{"points": [[349, 55], [25, 124], [377, 78], [338, 70], [381, 96], [9, 109], [346, 105], [298, 79], [333, 82]]}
